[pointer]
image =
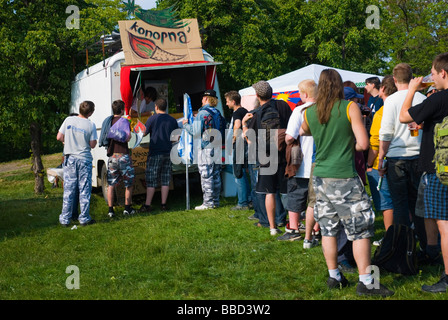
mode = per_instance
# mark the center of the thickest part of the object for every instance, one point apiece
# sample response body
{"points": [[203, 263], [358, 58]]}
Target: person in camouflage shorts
{"points": [[343, 203]]}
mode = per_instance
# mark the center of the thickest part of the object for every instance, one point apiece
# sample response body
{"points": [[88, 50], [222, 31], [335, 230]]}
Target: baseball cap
{"points": [[350, 93], [210, 93]]}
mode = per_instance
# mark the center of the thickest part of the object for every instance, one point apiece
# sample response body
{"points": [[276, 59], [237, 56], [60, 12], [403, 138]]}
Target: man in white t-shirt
{"points": [[79, 136], [298, 184], [402, 151]]}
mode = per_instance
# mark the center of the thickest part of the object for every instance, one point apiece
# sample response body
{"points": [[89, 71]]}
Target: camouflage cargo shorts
{"points": [[119, 168], [343, 203]]}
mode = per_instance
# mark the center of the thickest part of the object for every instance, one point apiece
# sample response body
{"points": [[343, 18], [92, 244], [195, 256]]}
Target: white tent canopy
{"points": [[291, 80]]}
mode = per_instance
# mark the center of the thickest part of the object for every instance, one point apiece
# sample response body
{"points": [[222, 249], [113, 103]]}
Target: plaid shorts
{"points": [[119, 166], [158, 170], [436, 198], [343, 203]]}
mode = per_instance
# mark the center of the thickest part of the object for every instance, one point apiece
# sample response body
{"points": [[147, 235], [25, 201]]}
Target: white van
{"points": [[101, 85]]}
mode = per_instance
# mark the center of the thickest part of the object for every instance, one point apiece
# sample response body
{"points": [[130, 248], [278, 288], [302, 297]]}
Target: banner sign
{"points": [[144, 43]]}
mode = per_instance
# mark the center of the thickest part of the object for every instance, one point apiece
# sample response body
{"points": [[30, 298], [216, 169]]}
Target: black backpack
{"points": [[268, 118], [397, 252]]}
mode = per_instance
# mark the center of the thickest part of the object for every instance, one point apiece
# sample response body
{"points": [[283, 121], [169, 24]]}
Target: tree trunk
{"points": [[36, 149]]}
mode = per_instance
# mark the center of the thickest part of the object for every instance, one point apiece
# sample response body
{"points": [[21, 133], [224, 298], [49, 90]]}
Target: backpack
{"points": [[268, 118], [397, 252], [215, 121], [441, 150]]}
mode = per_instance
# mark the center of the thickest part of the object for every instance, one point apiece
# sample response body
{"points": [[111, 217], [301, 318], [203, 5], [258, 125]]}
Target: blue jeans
{"points": [[77, 182], [243, 190]]}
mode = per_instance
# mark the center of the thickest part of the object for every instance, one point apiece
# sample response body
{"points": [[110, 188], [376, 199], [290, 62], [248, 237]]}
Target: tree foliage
{"points": [[38, 53], [415, 32], [255, 39]]}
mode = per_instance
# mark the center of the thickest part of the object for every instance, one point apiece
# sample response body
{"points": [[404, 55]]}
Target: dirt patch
{"points": [[13, 166], [52, 160]]}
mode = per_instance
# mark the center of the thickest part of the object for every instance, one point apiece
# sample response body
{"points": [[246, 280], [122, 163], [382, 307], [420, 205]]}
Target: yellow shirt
{"points": [[374, 134]]}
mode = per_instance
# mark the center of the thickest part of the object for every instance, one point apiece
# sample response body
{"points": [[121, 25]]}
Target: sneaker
{"points": [[238, 207], [88, 223], [333, 283], [163, 207], [290, 236], [377, 243], [300, 226], [145, 209], [274, 231], [308, 244], [202, 207], [362, 290], [111, 214], [440, 286], [129, 213]]}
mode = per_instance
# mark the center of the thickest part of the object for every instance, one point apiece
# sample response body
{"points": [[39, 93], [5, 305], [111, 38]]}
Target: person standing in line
{"points": [[269, 184], [233, 101], [402, 151], [209, 169], [119, 166], [79, 136], [158, 165], [381, 198], [338, 130], [375, 101], [298, 184], [430, 112]]}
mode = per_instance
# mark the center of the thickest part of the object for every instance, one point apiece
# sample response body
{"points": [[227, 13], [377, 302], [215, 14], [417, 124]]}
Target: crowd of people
{"points": [[325, 152]]}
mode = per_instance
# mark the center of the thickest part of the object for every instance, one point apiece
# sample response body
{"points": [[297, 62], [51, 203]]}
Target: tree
{"points": [[253, 38], [36, 66], [338, 36], [415, 31]]}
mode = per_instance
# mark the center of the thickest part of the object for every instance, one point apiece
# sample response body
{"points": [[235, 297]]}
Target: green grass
{"points": [[176, 255]]}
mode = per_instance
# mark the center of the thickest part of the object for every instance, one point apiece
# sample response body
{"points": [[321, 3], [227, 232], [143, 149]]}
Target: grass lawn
{"points": [[175, 255]]}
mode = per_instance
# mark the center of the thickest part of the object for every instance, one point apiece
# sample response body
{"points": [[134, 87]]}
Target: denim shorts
{"points": [[381, 199], [343, 203]]}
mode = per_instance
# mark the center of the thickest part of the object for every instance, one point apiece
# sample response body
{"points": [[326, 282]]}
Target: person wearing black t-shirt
{"points": [[430, 112], [270, 184], [233, 101]]}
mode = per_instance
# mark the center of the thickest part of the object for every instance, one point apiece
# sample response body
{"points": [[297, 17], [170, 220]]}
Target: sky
{"points": [[146, 4]]}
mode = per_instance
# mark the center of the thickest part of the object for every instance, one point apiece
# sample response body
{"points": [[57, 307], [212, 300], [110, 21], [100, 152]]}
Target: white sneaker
{"points": [[128, 213], [202, 207], [308, 244], [275, 231], [378, 242]]}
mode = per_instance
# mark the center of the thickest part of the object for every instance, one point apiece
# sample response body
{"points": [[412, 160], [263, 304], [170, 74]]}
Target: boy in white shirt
{"points": [[298, 185]]}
